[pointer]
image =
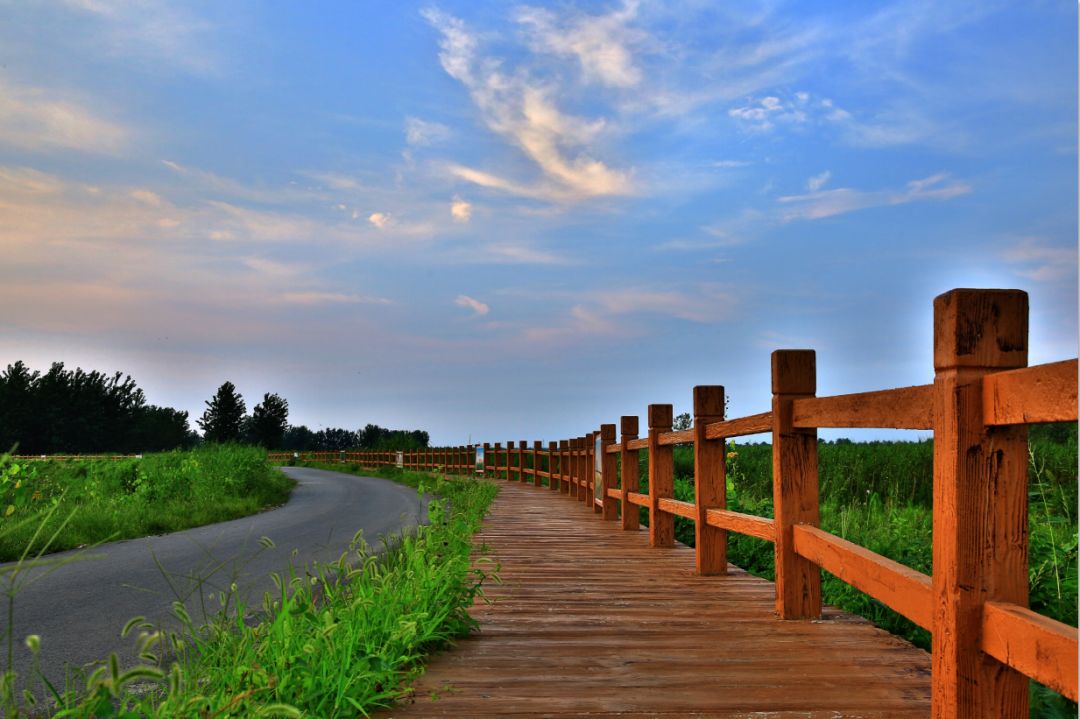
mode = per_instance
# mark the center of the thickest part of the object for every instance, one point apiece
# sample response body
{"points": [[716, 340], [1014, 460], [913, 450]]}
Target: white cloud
{"points": [[479, 308], [32, 118], [826, 203], [601, 44], [1036, 260], [816, 182], [323, 298], [421, 132], [520, 254], [524, 112], [765, 114], [146, 197], [379, 219], [157, 30], [460, 210]]}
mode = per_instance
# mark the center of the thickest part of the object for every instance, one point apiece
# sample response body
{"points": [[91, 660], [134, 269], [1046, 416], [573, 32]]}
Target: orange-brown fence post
{"points": [[795, 484], [608, 471], [509, 454], [538, 447], [661, 477], [980, 531], [487, 459], [572, 465], [710, 489], [553, 480], [564, 466], [522, 446], [629, 481]]}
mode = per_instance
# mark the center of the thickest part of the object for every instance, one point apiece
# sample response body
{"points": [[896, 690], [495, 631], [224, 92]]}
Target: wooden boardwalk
{"points": [[591, 622]]}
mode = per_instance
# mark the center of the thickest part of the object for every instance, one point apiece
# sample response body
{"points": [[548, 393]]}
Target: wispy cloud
{"points": [[769, 112], [460, 210], [601, 44], [157, 30], [479, 308], [337, 298], [816, 182], [422, 132], [1038, 260], [523, 111], [826, 203], [33, 118], [379, 219]]}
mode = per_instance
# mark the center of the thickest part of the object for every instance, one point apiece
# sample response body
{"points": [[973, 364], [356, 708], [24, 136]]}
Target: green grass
{"points": [[334, 640], [130, 498]]}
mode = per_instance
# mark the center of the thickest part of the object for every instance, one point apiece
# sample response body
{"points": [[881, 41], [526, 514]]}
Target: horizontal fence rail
{"points": [[986, 643]]}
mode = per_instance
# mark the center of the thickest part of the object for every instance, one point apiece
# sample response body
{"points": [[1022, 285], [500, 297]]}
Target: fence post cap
{"points": [[981, 328], [794, 372]]}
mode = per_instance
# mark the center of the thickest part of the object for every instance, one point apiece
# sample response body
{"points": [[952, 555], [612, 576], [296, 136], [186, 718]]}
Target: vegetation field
{"points": [[100, 500], [879, 496], [335, 640]]}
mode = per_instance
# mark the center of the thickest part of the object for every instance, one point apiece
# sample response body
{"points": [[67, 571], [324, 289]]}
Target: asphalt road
{"points": [[79, 609]]}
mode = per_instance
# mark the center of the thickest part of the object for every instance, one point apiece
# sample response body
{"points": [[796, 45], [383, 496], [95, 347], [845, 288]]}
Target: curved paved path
{"points": [[80, 609]]}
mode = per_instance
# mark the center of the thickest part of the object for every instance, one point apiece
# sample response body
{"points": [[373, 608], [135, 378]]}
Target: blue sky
{"points": [[506, 221]]}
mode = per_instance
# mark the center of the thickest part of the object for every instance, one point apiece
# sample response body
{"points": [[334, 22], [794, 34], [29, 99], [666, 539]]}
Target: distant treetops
{"points": [[78, 412]]}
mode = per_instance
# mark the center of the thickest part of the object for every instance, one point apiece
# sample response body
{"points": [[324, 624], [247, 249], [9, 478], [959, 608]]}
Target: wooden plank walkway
{"points": [[591, 622]]}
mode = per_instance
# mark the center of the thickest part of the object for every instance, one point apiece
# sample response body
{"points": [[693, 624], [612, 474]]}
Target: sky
{"points": [[500, 222]]}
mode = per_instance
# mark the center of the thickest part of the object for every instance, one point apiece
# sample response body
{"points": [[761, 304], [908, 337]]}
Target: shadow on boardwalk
{"points": [[590, 621]]}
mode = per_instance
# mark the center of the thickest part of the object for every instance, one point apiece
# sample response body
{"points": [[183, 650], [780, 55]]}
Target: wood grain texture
{"points": [[902, 588], [902, 408], [677, 507], [760, 527], [710, 481], [631, 632], [641, 500], [795, 484], [661, 476], [980, 502], [740, 426], [1041, 648], [1044, 393], [628, 471]]}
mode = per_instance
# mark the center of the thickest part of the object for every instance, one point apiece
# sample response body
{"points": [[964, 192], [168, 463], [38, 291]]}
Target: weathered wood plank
{"points": [[740, 426], [1038, 646], [632, 632], [902, 588], [760, 527], [902, 408], [677, 507], [1044, 393]]}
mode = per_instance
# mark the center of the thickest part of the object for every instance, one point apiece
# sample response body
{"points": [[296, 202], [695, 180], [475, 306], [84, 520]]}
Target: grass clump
{"points": [[333, 640], [103, 500]]}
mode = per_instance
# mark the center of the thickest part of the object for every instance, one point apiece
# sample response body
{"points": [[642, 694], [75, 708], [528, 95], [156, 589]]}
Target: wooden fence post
{"points": [[553, 481], [522, 446], [487, 458], [564, 466], [795, 484], [590, 473], [661, 477], [498, 451], [710, 488], [538, 447], [628, 482], [607, 472], [980, 508]]}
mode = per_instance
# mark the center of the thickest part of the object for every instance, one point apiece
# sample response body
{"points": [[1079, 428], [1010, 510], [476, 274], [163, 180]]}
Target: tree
{"points": [[269, 421], [298, 438], [682, 422], [221, 422]]}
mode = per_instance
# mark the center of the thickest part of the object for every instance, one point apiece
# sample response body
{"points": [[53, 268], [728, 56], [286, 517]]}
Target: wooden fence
{"points": [[985, 640]]}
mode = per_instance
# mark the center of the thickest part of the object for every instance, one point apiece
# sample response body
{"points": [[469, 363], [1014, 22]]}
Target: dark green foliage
{"points": [[80, 412], [269, 421], [380, 438], [223, 419], [371, 437]]}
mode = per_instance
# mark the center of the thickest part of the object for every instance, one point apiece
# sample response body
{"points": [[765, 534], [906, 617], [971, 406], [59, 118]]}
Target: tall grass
{"points": [[334, 640], [130, 498]]}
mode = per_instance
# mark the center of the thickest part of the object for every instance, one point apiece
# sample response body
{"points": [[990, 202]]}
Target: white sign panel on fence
{"points": [[479, 460], [400, 459]]}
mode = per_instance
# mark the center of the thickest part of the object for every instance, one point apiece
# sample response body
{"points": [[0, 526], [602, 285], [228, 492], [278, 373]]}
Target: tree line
{"points": [[64, 411]]}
